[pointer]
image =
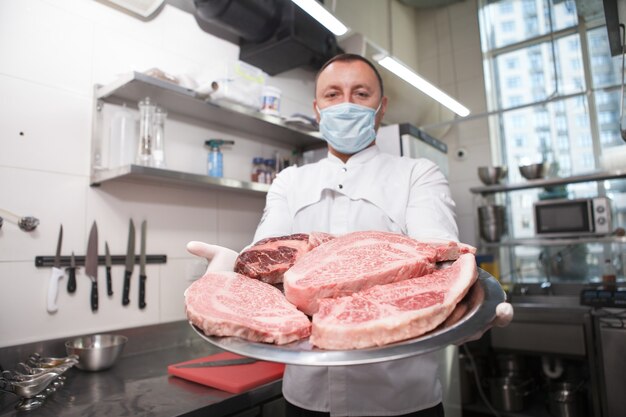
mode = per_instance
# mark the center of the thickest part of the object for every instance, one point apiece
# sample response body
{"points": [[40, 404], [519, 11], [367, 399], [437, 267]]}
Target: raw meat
{"points": [[389, 313], [268, 259], [230, 304], [357, 261]]}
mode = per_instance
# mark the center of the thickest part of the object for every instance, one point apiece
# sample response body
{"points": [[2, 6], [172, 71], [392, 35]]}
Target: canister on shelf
{"points": [[215, 161], [158, 144], [146, 131]]}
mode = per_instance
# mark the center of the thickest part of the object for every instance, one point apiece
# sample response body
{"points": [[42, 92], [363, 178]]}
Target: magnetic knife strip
{"points": [[48, 261]]}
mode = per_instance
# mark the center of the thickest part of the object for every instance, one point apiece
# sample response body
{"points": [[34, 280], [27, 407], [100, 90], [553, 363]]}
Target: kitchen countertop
{"points": [[138, 384]]}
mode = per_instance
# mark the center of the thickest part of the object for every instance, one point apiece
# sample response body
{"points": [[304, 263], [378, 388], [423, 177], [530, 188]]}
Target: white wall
{"points": [[52, 53]]}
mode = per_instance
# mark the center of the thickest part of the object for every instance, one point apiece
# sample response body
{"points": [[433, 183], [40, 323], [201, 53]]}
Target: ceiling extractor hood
{"points": [[273, 35]]}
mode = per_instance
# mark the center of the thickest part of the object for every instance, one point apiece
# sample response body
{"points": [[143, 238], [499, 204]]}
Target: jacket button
{"points": [[344, 169], [340, 186]]}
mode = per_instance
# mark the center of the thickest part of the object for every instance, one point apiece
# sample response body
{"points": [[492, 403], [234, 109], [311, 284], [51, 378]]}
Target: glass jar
{"points": [[146, 131], [158, 143]]}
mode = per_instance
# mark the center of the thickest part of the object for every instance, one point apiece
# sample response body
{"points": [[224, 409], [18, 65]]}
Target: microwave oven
{"points": [[573, 217]]}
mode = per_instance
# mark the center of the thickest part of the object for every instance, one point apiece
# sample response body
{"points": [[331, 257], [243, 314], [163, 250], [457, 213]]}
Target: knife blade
{"points": [[91, 264], [55, 275], [142, 267], [71, 271], [108, 263], [130, 262], [224, 362]]}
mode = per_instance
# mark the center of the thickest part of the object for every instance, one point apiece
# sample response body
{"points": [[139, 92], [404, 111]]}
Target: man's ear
{"points": [[317, 113], [381, 112]]}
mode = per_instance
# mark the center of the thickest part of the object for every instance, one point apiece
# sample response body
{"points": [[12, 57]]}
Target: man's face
{"points": [[349, 82]]}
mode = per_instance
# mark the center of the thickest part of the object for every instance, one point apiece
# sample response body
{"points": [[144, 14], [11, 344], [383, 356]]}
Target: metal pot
{"points": [[509, 393], [511, 365], [566, 399]]}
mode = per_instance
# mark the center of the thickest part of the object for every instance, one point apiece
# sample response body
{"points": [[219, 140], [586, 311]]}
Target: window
{"points": [[506, 7], [539, 92], [514, 82]]}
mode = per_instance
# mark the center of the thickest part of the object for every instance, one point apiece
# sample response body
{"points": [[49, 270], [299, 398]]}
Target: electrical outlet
{"points": [[196, 269]]}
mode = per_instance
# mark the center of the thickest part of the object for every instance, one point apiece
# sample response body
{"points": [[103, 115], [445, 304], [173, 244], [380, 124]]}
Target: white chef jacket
{"points": [[371, 191]]}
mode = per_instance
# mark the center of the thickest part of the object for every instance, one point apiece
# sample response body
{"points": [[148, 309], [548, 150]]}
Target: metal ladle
{"points": [[26, 223]]}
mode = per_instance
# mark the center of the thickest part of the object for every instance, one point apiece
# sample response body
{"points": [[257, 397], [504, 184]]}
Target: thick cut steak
{"points": [[357, 261], [393, 312], [230, 304], [268, 259]]}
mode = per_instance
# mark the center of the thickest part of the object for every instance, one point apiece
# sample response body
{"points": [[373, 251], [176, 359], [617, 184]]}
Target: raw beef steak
{"points": [[230, 304], [268, 259], [357, 261], [389, 313]]}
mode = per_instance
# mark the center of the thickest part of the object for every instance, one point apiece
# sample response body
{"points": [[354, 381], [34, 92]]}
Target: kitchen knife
{"points": [[130, 262], [55, 276], [142, 267], [91, 264], [108, 263], [224, 362], [71, 272]]}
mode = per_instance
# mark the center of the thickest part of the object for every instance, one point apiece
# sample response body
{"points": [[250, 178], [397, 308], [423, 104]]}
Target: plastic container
{"points": [[270, 100], [270, 170], [257, 170], [215, 160], [122, 138]]}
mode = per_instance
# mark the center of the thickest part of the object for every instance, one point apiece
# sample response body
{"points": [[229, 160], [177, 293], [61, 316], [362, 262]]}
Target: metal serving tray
{"points": [[472, 315]]}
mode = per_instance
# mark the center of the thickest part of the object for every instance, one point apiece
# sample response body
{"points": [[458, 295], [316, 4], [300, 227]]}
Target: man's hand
{"points": [[219, 257], [504, 316]]}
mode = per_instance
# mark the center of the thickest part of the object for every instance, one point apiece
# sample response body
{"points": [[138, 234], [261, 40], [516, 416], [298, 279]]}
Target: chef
{"points": [[357, 187]]}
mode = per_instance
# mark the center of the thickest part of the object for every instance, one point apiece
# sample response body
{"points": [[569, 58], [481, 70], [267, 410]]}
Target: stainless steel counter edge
{"points": [[138, 384]]}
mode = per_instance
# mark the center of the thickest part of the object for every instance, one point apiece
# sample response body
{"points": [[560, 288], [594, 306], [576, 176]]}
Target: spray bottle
{"points": [[215, 162]]}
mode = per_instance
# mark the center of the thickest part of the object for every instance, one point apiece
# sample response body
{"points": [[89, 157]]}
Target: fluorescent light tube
{"points": [[408, 75], [319, 13]]}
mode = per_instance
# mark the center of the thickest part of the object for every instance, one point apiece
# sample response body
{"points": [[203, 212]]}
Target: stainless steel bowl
{"points": [[533, 171], [492, 175], [97, 352]]}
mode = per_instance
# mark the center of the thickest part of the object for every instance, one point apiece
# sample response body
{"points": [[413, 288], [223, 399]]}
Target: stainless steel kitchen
{"points": [[280, 208]]}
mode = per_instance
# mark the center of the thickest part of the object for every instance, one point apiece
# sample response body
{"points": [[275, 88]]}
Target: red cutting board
{"points": [[233, 378]]}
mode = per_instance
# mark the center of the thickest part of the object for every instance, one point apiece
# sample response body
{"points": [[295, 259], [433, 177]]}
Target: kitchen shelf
{"points": [[550, 182], [554, 242], [135, 86], [165, 176]]}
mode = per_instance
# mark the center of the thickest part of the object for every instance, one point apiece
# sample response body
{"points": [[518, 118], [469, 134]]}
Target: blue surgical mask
{"points": [[348, 127]]}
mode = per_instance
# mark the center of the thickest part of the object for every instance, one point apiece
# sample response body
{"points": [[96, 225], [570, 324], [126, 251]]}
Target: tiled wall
{"points": [[52, 52], [450, 56]]}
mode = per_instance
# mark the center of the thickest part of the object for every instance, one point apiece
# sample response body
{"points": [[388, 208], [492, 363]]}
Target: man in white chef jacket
{"points": [[357, 188]]}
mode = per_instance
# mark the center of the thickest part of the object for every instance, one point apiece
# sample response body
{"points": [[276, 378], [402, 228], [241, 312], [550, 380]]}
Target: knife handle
{"points": [[53, 289], [109, 282], [125, 299], [142, 291], [71, 281], [94, 295]]}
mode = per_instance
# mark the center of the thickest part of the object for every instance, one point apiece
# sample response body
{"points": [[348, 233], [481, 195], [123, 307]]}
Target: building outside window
{"points": [[566, 106]]}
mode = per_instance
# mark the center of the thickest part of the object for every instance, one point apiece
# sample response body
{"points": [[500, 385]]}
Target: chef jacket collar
{"points": [[358, 158]]}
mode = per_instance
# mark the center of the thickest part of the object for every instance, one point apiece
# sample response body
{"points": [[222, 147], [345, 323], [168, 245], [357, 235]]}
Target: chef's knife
{"points": [[142, 267], [223, 362], [55, 276], [130, 262], [108, 263], [91, 264], [71, 273]]}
